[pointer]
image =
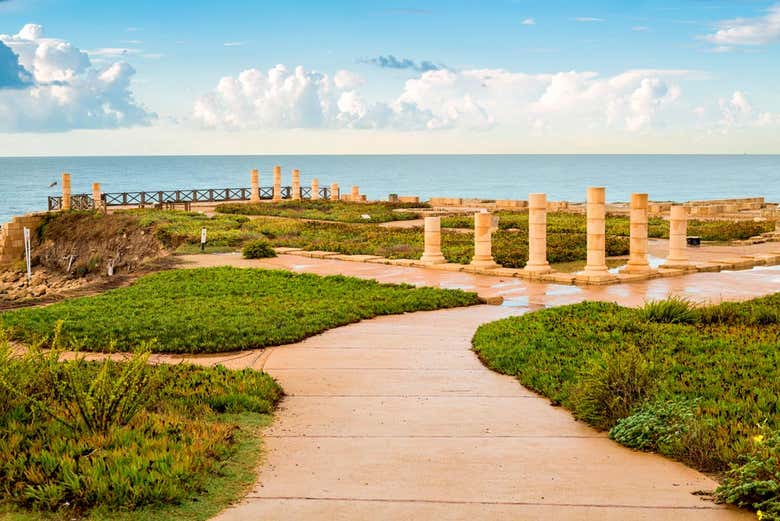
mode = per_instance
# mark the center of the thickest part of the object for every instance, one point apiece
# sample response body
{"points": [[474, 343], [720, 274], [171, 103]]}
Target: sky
{"points": [[339, 77]]}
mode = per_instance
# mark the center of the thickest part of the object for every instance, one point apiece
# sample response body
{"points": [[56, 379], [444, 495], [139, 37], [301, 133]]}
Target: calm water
{"points": [[24, 181]]}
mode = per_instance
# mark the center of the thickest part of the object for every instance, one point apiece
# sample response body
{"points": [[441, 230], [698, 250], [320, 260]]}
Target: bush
{"points": [[657, 426], [754, 482], [612, 386], [258, 250], [76, 435], [674, 310], [326, 210]]}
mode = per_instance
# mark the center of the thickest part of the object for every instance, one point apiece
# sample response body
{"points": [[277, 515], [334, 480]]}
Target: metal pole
{"points": [[27, 254]]}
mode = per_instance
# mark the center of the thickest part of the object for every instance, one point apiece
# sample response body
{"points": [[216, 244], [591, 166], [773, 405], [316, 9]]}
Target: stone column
{"points": [[254, 195], [637, 258], [537, 234], [596, 214], [678, 238], [315, 189], [277, 183], [335, 194], [97, 196], [296, 184], [355, 198], [432, 252], [483, 244], [66, 191]]}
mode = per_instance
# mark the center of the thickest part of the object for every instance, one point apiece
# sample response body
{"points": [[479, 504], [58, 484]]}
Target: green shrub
{"points": [[78, 435], [258, 250], [614, 384], [674, 310], [754, 481], [657, 426], [326, 210]]}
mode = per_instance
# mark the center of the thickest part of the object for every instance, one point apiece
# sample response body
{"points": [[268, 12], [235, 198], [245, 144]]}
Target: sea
{"points": [[25, 182]]}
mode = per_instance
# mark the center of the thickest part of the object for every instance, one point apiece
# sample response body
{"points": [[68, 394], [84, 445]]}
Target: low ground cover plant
{"points": [[79, 437], [564, 222], [221, 309], [699, 384], [259, 249], [326, 210]]}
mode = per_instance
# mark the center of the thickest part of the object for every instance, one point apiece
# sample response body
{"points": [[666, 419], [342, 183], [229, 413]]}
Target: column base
{"points": [[433, 259], [484, 264], [678, 265], [597, 276], [538, 269], [636, 269]]}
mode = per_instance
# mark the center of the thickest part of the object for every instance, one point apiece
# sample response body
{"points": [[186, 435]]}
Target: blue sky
{"points": [[502, 76]]}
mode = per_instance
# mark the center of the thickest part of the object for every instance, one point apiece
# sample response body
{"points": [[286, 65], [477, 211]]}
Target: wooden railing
{"points": [[169, 197]]}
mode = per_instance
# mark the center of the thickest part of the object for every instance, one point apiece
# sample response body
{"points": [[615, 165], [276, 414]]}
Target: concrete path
{"points": [[395, 418]]}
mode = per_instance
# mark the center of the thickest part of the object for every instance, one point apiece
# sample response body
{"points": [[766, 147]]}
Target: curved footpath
{"points": [[395, 418]]}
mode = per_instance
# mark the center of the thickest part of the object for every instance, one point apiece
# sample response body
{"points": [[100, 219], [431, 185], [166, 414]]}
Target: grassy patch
{"points": [[222, 309], [696, 384], [126, 440], [325, 210]]}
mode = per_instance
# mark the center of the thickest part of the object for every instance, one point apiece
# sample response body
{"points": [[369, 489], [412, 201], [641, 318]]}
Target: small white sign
{"points": [[203, 236], [27, 254]]}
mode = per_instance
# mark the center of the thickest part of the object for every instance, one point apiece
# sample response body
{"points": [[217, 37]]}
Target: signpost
{"points": [[203, 239], [27, 254]]}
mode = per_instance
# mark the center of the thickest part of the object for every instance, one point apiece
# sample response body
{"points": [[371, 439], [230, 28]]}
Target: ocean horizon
{"points": [[24, 181]]}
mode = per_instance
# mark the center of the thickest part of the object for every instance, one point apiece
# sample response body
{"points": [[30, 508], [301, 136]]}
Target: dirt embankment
{"points": [[73, 252]]}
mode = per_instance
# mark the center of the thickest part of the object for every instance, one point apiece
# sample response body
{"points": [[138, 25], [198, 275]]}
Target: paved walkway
{"points": [[395, 418]]}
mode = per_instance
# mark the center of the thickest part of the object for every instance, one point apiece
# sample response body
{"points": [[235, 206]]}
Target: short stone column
{"points": [[277, 183], [315, 189], [637, 257], [484, 226], [335, 193], [66, 191], [97, 196], [596, 215], [296, 184], [537, 234], [432, 251], [355, 196], [678, 238], [254, 194]]}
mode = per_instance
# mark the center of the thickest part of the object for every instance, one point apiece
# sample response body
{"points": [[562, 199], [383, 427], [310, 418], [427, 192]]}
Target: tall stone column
{"points": [[537, 234], [254, 195], [97, 199], [355, 196], [432, 251], [66, 191], [678, 238], [315, 189], [637, 257], [483, 243], [335, 193], [296, 184], [596, 214], [277, 183]]}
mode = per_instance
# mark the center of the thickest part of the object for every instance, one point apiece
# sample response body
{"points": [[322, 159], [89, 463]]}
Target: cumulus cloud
{"points": [[62, 90], [391, 62], [737, 113], [748, 31], [473, 99], [588, 19], [528, 21]]}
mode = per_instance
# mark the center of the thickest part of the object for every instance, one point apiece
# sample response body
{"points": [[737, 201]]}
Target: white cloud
{"points": [[640, 28], [528, 21], [234, 44], [748, 31], [472, 99], [738, 113], [65, 90], [588, 19]]}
